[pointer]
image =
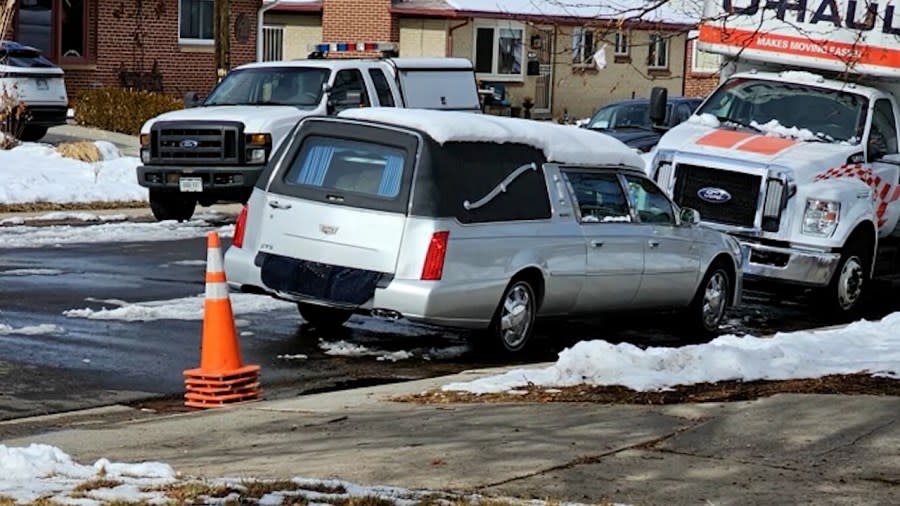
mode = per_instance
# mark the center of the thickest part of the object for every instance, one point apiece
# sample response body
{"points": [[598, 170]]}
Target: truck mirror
{"points": [[191, 99], [659, 97], [690, 216]]}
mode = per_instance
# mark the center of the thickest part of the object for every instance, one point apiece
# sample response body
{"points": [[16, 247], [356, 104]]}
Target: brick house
{"points": [[538, 50], [153, 44]]}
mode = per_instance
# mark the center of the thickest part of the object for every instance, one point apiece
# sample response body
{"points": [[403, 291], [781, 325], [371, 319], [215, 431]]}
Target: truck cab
{"points": [[795, 154], [214, 151]]}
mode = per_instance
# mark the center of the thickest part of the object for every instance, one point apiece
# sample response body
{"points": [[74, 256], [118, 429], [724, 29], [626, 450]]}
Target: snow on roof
{"points": [[673, 11], [560, 143]]}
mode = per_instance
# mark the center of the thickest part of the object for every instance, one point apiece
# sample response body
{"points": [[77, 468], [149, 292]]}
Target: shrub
{"points": [[12, 119], [121, 110]]}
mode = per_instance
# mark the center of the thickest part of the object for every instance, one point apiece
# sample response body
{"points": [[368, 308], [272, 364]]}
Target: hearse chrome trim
{"points": [[500, 188]]}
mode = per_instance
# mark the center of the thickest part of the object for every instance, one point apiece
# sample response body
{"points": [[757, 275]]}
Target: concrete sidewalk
{"points": [[129, 145], [787, 449]]}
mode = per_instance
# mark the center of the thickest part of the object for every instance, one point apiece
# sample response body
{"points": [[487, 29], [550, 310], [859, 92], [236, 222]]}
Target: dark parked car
{"points": [[629, 120]]}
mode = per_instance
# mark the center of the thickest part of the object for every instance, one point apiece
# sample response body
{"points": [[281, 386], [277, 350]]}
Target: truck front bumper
{"points": [[790, 265], [234, 177]]}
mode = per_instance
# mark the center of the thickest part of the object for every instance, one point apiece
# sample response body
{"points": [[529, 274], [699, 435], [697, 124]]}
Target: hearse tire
{"points": [[709, 306], [170, 205], [322, 317], [512, 326]]}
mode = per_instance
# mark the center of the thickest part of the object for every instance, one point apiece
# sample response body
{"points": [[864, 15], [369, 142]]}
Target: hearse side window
{"points": [[364, 168], [599, 196], [649, 202]]}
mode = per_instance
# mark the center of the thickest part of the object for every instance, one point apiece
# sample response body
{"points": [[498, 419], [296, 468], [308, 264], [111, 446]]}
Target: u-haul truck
{"points": [[796, 153]]}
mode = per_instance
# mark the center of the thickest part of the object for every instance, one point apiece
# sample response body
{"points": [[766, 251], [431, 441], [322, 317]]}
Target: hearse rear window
{"points": [[344, 166]]}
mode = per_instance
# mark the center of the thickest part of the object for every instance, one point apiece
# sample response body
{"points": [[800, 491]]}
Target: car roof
{"points": [[563, 144], [11, 45]]}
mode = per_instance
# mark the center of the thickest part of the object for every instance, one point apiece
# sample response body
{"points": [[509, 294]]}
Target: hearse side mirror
{"points": [[690, 216], [659, 97], [191, 99]]}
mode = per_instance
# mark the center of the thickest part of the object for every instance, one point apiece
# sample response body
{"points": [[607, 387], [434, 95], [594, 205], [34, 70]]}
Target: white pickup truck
{"points": [[796, 153], [215, 152]]}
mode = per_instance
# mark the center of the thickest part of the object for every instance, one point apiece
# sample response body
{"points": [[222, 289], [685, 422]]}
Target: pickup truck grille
{"points": [[196, 143], [743, 189]]}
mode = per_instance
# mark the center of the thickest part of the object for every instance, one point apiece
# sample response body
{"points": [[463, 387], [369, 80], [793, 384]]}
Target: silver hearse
{"points": [[472, 221]]}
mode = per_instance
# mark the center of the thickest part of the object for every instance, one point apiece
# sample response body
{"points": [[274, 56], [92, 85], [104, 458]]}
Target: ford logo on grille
{"points": [[189, 144], [714, 195]]}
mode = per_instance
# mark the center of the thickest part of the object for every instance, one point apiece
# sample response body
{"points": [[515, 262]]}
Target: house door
{"points": [[542, 44]]}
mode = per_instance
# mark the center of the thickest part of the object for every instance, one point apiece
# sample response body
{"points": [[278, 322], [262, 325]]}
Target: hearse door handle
{"points": [[596, 244], [653, 243], [274, 204]]}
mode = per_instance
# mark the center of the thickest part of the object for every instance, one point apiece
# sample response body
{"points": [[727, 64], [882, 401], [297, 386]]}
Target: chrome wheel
{"points": [[850, 283], [715, 300], [516, 316]]}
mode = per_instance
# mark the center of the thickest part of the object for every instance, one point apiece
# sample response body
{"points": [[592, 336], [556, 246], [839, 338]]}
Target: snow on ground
{"points": [[35, 237], [33, 330], [864, 346], [31, 272], [347, 349], [64, 216], [37, 173], [44, 472], [186, 308]]}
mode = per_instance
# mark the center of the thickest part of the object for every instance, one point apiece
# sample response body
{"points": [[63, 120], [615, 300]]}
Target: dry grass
{"points": [[30, 207], [7, 501], [190, 492], [84, 151]]}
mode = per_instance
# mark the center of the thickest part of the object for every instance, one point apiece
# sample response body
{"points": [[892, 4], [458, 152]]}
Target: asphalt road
{"points": [[99, 362]]}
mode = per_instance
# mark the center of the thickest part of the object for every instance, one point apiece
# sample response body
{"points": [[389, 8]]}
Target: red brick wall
{"points": [[137, 39], [697, 84], [358, 21]]}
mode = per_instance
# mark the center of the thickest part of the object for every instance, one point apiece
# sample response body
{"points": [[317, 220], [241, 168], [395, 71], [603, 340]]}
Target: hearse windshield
{"points": [[295, 86], [827, 115]]}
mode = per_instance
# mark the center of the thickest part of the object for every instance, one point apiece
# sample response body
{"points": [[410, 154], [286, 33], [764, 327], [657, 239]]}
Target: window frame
{"points": [[366, 99], [195, 41], [55, 54], [890, 108], [267, 31], [496, 26], [579, 58], [695, 51], [676, 211], [620, 38], [576, 205], [658, 39]]}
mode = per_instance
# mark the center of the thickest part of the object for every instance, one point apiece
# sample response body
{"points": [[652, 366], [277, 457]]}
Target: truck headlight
{"points": [[145, 155], [256, 156], [821, 217]]}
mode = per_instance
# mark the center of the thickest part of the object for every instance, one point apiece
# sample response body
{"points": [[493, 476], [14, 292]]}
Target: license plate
{"points": [[41, 84], [190, 184]]}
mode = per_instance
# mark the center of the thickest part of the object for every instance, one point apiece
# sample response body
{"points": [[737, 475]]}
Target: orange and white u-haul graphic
{"points": [[747, 142], [885, 193]]}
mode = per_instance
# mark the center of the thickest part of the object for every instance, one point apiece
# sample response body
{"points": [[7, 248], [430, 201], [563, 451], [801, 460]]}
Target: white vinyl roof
{"points": [[560, 143]]}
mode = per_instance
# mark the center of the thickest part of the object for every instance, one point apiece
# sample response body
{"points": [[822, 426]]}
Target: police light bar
{"points": [[343, 47]]}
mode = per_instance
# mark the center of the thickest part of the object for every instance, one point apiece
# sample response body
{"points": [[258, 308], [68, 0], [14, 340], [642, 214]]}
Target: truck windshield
{"points": [[780, 107], [296, 86]]}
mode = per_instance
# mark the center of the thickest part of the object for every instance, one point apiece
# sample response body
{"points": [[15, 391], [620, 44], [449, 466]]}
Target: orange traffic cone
{"points": [[221, 378]]}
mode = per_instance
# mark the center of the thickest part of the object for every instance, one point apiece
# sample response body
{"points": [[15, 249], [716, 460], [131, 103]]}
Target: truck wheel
{"points": [[33, 133], [323, 317], [707, 310], [513, 322], [850, 283], [170, 205]]}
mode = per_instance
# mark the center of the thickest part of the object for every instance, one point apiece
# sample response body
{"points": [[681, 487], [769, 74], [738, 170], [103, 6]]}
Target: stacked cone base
{"points": [[205, 389]]}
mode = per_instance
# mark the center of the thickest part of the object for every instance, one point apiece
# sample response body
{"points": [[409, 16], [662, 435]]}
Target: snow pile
{"points": [[35, 237], [560, 143], [870, 347], [31, 272], [705, 119], [32, 330], [37, 173], [347, 349], [64, 216], [186, 308], [36, 471], [773, 127]]}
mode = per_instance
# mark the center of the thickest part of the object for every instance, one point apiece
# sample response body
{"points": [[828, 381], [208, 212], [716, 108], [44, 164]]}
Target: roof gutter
{"points": [[260, 15]]}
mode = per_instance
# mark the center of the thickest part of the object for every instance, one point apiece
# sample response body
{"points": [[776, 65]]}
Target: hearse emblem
{"points": [[714, 195], [328, 229], [189, 144]]}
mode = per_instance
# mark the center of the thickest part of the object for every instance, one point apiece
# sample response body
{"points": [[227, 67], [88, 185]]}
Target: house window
{"points": [[621, 44], [658, 57], [701, 61], [273, 43], [58, 29], [196, 21], [582, 46], [499, 51]]}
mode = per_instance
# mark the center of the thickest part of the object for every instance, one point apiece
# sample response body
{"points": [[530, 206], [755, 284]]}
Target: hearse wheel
{"points": [[171, 205], [513, 322], [323, 317], [707, 310]]}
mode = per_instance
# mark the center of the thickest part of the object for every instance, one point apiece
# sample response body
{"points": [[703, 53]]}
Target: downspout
{"points": [[686, 71], [260, 15], [449, 50]]}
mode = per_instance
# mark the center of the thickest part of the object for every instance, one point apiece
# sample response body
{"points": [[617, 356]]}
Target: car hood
{"points": [[805, 159], [255, 118]]}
